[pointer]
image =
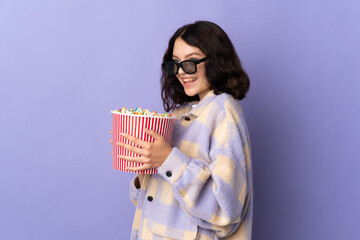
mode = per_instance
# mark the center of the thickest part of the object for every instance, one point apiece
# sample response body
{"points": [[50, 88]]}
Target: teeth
{"points": [[189, 79]]}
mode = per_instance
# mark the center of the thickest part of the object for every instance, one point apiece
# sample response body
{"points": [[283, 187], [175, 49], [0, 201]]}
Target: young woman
{"points": [[203, 189]]}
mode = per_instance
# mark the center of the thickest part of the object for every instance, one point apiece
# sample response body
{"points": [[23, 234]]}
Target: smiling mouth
{"points": [[189, 80]]}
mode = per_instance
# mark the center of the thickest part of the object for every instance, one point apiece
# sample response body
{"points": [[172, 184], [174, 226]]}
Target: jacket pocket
{"points": [[188, 233]]}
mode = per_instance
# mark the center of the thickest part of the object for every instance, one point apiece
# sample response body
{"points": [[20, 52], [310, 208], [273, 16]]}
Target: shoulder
{"points": [[220, 109], [229, 106]]}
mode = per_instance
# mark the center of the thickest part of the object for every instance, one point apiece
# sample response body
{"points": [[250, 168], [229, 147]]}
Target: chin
{"points": [[190, 93]]}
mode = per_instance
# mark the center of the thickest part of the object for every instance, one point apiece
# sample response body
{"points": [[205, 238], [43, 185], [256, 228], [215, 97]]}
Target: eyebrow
{"points": [[188, 55]]}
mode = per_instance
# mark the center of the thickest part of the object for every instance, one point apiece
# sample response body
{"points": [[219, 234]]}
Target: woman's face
{"points": [[194, 84]]}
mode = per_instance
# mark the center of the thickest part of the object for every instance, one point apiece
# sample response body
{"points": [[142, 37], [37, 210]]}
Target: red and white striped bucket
{"points": [[134, 125]]}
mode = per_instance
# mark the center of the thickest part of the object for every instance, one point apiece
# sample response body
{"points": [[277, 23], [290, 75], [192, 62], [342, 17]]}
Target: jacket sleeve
{"points": [[134, 190], [215, 194]]}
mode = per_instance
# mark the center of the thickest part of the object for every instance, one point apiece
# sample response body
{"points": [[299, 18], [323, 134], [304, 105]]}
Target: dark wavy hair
{"points": [[223, 67]]}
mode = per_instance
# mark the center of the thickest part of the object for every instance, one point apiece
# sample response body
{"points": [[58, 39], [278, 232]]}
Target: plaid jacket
{"points": [[204, 188]]}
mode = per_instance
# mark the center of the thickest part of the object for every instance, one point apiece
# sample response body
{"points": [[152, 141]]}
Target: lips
{"points": [[188, 81]]}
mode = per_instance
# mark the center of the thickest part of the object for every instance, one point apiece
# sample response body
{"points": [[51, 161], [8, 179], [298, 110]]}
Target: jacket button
{"points": [[169, 173], [187, 118], [150, 198]]}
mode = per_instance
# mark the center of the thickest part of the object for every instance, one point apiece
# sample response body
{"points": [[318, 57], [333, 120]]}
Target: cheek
{"points": [[204, 78], [202, 72]]}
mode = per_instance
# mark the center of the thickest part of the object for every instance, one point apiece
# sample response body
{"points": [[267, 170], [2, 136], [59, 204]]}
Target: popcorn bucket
{"points": [[134, 125]]}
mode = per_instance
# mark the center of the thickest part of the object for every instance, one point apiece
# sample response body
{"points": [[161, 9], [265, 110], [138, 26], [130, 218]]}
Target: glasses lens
{"points": [[189, 67], [170, 68]]}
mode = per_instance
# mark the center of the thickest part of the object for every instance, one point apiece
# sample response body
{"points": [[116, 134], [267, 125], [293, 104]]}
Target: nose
{"points": [[181, 71]]}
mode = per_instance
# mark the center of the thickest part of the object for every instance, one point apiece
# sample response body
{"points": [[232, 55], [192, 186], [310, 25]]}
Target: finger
{"points": [[131, 148], [136, 169], [111, 141], [132, 159], [135, 140], [154, 134], [111, 131]]}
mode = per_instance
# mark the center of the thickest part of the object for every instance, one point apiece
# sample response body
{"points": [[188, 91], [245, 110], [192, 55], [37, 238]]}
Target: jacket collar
{"points": [[200, 105]]}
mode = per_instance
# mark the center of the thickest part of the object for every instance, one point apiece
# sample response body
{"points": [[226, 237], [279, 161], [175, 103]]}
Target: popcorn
{"points": [[140, 111]]}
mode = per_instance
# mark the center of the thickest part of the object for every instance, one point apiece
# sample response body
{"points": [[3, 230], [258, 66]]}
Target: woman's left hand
{"points": [[152, 155]]}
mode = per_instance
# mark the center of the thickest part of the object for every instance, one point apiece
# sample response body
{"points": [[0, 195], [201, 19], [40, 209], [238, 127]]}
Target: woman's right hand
{"points": [[140, 176]]}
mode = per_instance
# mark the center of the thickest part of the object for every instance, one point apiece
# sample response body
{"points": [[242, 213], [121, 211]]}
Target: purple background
{"points": [[65, 64]]}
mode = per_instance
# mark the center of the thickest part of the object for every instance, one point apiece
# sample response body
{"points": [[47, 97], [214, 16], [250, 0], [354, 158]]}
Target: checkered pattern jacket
{"points": [[204, 188]]}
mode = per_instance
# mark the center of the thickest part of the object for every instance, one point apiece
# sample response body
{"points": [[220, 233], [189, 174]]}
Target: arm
{"points": [[135, 185], [214, 194], [139, 180]]}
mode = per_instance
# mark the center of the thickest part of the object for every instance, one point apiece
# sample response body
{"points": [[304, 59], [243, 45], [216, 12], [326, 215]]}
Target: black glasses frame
{"points": [[180, 65]]}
